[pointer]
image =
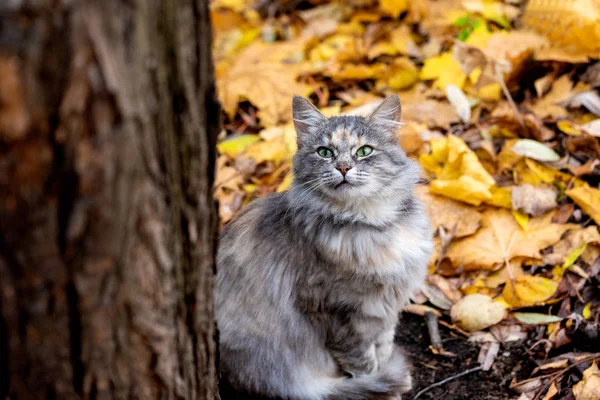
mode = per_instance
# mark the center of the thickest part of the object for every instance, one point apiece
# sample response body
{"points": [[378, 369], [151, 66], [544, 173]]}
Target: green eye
{"points": [[324, 152], [364, 151]]}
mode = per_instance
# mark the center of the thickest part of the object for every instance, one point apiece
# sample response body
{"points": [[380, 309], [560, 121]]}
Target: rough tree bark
{"points": [[108, 122]]}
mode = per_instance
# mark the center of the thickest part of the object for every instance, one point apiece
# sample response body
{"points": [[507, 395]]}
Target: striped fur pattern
{"points": [[310, 281]]}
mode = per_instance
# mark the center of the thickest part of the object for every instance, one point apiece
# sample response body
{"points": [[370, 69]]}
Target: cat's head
{"points": [[349, 156]]}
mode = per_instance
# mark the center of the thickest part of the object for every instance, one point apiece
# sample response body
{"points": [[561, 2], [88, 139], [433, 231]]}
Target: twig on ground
{"points": [[434, 330], [444, 381]]}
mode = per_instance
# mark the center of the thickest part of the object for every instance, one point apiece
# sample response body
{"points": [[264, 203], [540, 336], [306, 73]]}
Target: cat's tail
{"points": [[385, 384]]}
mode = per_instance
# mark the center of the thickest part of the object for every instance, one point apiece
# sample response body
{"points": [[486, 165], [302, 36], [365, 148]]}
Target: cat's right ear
{"points": [[307, 119]]}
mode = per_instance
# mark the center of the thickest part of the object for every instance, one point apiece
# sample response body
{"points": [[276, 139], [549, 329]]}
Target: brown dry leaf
{"points": [[500, 239], [534, 201], [552, 391], [553, 103], [453, 215], [573, 240], [259, 76], [570, 25], [588, 199], [589, 387]]}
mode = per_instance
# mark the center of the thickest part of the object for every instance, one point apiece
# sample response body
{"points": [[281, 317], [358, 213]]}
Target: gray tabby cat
{"points": [[310, 281]]}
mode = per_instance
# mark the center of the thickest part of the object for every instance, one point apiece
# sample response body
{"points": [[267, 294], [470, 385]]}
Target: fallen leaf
{"points": [[235, 146], [536, 318], [528, 171], [536, 150], [259, 76], [589, 387], [535, 201], [572, 241], [453, 215], [553, 104], [457, 98], [273, 150], [588, 199], [465, 189], [552, 391], [393, 7], [592, 128], [500, 239], [476, 312], [445, 70], [528, 290]]}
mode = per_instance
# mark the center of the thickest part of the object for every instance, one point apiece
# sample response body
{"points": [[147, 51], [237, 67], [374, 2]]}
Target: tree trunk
{"points": [[108, 122]]}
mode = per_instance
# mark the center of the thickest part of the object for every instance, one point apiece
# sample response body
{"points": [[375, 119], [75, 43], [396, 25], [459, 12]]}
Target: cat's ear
{"points": [[387, 115], [306, 118]]}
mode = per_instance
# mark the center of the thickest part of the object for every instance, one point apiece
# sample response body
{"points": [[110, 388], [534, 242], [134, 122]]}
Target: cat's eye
{"points": [[324, 152], [364, 151]]}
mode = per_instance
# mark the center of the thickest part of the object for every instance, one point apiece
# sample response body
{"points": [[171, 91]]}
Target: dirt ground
{"points": [[429, 368]]}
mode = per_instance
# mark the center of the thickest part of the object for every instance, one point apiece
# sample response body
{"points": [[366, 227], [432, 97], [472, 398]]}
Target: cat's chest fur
{"points": [[387, 251]]}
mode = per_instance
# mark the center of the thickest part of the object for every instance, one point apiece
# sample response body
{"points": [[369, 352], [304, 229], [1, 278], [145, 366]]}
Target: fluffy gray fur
{"points": [[310, 281]]}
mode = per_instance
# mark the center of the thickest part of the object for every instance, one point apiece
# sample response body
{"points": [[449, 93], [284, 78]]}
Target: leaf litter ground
{"points": [[502, 111]]}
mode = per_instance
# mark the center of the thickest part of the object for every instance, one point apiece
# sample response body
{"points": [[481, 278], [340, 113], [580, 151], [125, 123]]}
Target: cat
{"points": [[310, 281]]}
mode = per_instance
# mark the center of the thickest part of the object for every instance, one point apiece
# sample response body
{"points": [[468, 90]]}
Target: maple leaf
{"points": [[454, 216], [588, 199], [589, 387], [260, 76], [500, 239], [528, 290]]}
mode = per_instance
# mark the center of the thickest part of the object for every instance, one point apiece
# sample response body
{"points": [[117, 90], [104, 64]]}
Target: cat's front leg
{"points": [[384, 346], [355, 352]]}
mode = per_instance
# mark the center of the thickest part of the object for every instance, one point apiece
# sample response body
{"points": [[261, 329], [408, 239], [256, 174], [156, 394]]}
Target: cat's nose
{"points": [[343, 169]]}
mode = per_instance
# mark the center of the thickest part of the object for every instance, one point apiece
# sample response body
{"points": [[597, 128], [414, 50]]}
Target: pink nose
{"points": [[343, 169]]}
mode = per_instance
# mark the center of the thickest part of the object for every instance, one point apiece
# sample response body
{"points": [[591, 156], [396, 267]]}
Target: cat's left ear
{"points": [[387, 115], [307, 119]]}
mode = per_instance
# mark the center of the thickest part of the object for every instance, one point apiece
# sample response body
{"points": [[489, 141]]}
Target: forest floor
{"points": [[501, 105]]}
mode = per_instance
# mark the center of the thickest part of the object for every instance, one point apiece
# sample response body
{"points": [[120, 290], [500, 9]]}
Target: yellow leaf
{"points": [[569, 25], [569, 128], [393, 7], [274, 150], [237, 145], [462, 176], [501, 197], [452, 215], [260, 76], [445, 70], [521, 218], [479, 37], [569, 261], [402, 40], [235, 5], [588, 199], [355, 71], [589, 387], [465, 189], [286, 183], [491, 91], [382, 48], [400, 74], [571, 242], [500, 239], [528, 290], [536, 174], [587, 311]]}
